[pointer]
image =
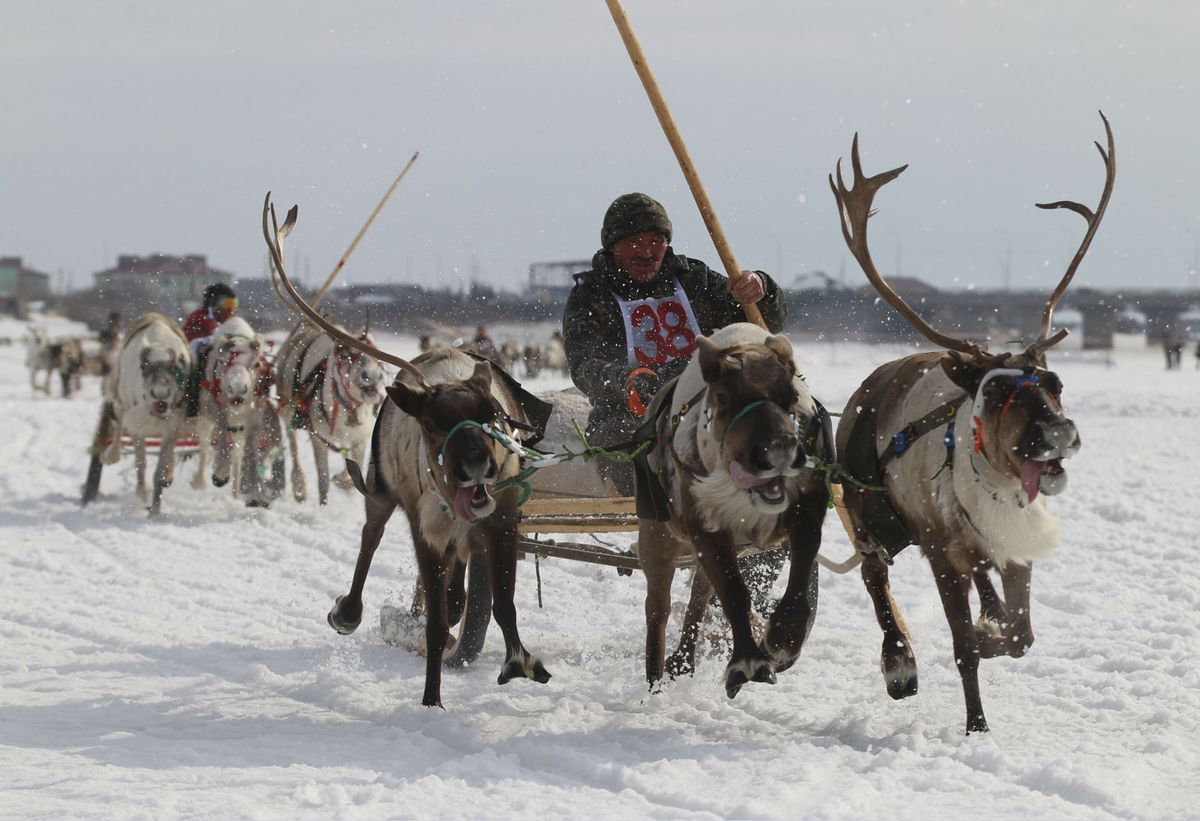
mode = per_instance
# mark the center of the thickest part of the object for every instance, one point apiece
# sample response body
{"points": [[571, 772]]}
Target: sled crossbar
{"points": [[565, 515]]}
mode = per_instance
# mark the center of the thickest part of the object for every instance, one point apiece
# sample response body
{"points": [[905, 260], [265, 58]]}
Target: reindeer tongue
{"points": [[462, 503], [743, 478], [1031, 477]]}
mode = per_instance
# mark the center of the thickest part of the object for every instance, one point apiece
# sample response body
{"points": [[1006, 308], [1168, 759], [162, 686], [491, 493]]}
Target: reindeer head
{"points": [[1017, 422], [758, 414], [467, 458], [358, 374], [164, 371], [235, 364]]}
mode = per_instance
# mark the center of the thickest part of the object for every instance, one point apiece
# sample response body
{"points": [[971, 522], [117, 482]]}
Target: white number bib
{"points": [[660, 329]]}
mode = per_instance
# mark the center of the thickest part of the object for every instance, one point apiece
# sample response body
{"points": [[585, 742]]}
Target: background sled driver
{"points": [[219, 304], [631, 324]]}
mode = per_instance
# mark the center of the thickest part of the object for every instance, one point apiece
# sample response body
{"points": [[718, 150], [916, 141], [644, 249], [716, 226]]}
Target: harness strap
{"points": [[901, 442]]}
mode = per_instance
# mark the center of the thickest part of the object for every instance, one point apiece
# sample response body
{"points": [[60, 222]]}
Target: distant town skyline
{"points": [[141, 128]]}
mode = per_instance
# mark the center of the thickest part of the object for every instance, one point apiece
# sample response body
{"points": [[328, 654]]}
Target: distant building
{"points": [[20, 286], [552, 281], [160, 282]]}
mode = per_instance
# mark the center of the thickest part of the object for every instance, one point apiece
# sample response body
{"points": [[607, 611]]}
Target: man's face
{"points": [[225, 308], [641, 255]]}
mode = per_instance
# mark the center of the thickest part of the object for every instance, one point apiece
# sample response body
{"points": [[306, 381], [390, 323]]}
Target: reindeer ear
{"points": [[964, 371], [409, 399], [709, 357], [781, 346], [482, 377]]}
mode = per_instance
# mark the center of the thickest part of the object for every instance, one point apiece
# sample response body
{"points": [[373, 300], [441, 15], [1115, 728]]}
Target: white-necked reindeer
{"points": [[331, 390], [432, 455], [736, 441], [967, 444], [144, 397], [232, 395]]}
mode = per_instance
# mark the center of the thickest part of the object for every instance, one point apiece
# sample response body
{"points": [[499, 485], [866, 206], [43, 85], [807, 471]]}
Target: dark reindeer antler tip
{"points": [[289, 221]]}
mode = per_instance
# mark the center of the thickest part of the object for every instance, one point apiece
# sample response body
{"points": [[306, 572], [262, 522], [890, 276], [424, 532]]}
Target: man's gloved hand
{"points": [[640, 387]]}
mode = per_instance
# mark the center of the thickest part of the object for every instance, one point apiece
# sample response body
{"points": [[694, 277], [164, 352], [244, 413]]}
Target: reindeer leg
{"points": [[993, 617], [456, 588], [164, 471], [793, 618], [500, 534], [321, 456], [954, 588], [139, 462], [656, 550], [346, 614], [299, 487], [278, 468], [748, 663], [223, 457], [897, 662], [1017, 580], [473, 623], [204, 446], [683, 661], [433, 577], [105, 430]]}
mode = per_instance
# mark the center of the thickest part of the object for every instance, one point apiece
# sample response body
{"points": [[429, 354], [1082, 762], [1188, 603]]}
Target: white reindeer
{"points": [[39, 356], [331, 390], [143, 397], [232, 394]]}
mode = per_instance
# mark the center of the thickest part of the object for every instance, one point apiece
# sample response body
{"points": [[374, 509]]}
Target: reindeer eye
{"points": [[428, 428]]}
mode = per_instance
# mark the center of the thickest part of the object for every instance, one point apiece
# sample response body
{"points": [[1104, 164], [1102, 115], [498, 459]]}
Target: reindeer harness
{"points": [[883, 523]]}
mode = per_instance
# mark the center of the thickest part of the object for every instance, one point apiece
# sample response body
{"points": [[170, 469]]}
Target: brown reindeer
{"points": [[734, 445], [433, 454], [967, 444]]}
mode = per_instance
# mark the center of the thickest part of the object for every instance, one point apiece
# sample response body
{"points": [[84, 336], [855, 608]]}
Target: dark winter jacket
{"points": [[594, 331]]}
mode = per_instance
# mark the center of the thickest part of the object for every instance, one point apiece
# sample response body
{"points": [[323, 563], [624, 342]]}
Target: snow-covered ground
{"points": [[181, 667]]}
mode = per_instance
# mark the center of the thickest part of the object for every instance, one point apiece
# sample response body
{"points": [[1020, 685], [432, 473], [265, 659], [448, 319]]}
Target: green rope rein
{"points": [[539, 460], [834, 472]]}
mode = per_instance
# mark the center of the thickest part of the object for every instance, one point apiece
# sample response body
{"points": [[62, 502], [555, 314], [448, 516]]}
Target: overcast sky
{"points": [[141, 127]]}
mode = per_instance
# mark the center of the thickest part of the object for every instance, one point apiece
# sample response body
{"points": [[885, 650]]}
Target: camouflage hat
{"points": [[632, 214]]}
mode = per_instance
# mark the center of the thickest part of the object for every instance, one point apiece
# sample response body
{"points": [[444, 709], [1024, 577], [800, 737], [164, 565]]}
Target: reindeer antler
{"points": [[1045, 340], [854, 208], [296, 302]]}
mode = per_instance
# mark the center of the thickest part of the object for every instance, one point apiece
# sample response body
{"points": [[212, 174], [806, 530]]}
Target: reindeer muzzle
{"points": [[1043, 472]]}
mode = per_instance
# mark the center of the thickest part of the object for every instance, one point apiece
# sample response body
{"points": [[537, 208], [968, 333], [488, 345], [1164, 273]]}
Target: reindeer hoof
{"points": [[738, 674], [678, 666], [977, 724], [523, 666], [901, 686], [340, 623], [218, 482]]}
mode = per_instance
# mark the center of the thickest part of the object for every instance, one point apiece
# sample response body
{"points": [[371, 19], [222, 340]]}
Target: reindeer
{"points": [[531, 356], [971, 496], [433, 454], [144, 396], [510, 353], [733, 460], [69, 360], [39, 356], [330, 389], [233, 395], [554, 356]]}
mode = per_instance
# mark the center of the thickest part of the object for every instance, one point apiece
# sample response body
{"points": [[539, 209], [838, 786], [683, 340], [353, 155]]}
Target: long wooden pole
{"points": [[701, 196], [337, 269], [681, 153]]}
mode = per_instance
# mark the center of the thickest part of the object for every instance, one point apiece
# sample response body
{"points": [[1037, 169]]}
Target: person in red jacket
{"points": [[220, 303]]}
